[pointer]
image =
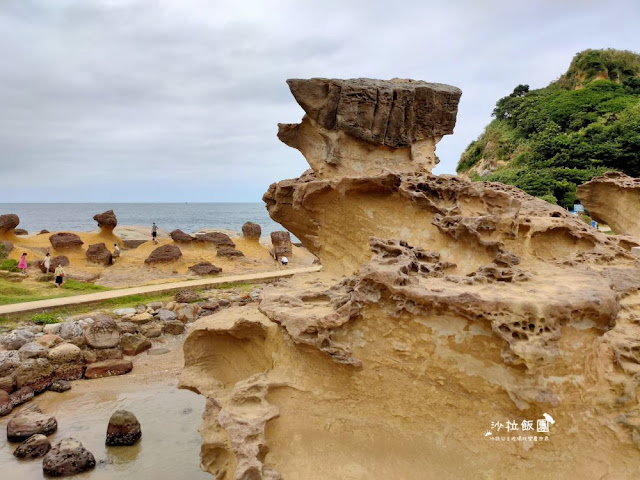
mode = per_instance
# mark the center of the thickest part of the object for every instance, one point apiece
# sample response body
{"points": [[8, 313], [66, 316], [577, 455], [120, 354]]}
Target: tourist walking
{"points": [[154, 232], [116, 251], [59, 274], [47, 262], [22, 264]]}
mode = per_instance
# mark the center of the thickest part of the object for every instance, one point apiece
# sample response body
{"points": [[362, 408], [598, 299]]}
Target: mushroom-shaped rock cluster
{"points": [[8, 223], [251, 231]]}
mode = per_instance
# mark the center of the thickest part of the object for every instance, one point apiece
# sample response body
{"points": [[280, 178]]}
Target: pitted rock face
{"points": [[164, 254], [9, 222], [251, 231], [102, 333], [106, 220], [99, 253], [64, 240], [179, 236]]}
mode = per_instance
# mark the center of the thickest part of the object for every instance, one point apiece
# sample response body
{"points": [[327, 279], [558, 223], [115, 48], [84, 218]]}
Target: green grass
{"points": [[9, 264], [45, 318], [29, 292], [77, 286]]}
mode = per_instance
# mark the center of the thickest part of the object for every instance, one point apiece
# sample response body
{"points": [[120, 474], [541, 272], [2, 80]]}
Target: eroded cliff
{"points": [[445, 310]]}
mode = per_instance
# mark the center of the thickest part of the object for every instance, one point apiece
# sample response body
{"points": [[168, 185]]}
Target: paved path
{"points": [[124, 292]]}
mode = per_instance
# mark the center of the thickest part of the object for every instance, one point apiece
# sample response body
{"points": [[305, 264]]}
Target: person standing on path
{"points": [[59, 273], [47, 262], [116, 251], [22, 264], [154, 232]]}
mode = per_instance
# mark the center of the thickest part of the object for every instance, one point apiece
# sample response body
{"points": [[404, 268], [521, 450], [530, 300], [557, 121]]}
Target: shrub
{"points": [[45, 318], [9, 264]]}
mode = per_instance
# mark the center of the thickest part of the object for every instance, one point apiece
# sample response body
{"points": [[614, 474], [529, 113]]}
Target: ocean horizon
{"points": [[187, 216]]}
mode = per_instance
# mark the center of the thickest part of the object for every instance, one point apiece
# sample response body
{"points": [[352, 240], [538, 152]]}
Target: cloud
{"points": [[101, 100]]}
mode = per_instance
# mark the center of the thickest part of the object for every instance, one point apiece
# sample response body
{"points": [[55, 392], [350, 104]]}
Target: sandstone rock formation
{"points": [[218, 239], [179, 236], [99, 253], [20, 231], [251, 231], [107, 221], [65, 240], [614, 199], [205, 268], [187, 295], [67, 457], [108, 368], [281, 242], [8, 223], [229, 252], [55, 262], [164, 254], [134, 344], [445, 309], [123, 429]]}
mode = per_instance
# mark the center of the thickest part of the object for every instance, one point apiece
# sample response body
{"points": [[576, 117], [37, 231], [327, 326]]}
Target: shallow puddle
{"points": [[170, 444]]}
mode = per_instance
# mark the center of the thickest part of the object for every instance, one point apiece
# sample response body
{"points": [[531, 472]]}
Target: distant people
{"points": [[47, 262], [22, 264], [59, 274], [116, 251], [284, 260], [154, 232]]}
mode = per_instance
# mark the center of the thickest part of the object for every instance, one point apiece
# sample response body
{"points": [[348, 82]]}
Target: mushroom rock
{"points": [[281, 242], [179, 236], [164, 254], [614, 199], [251, 231], [444, 306], [8, 223], [65, 240], [99, 253], [107, 221]]}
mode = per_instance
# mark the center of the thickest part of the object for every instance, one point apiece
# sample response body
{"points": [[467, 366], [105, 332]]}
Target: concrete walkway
{"points": [[164, 287]]}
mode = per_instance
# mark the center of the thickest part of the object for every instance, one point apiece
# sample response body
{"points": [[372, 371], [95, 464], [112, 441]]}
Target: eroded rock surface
{"points": [[8, 223], [164, 254], [614, 199], [444, 307], [107, 221], [65, 240]]}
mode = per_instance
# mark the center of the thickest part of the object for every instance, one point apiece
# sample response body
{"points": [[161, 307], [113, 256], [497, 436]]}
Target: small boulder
{"points": [[16, 339], [229, 252], [102, 333], [210, 305], [65, 240], [123, 429], [50, 340], [6, 246], [127, 327], [30, 422], [251, 231], [67, 457], [205, 268], [187, 295], [60, 386], [35, 375], [134, 343], [107, 221], [281, 242], [6, 405], [7, 383], [155, 305], [32, 350], [151, 330], [20, 231], [173, 327], [9, 361], [108, 368], [164, 254], [70, 330], [165, 315], [43, 231], [59, 260], [33, 447], [187, 312], [106, 354], [179, 236], [65, 353], [99, 253], [218, 239], [141, 318], [124, 312], [8, 222]]}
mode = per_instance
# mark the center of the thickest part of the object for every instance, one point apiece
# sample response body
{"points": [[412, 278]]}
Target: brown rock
{"points": [[6, 246], [251, 231], [60, 260], [141, 318], [107, 354], [7, 383], [60, 386], [69, 371], [67, 457], [134, 343], [65, 353], [164, 254], [187, 312], [33, 447], [281, 242], [108, 368], [151, 330], [218, 239], [20, 231], [229, 252], [65, 241], [209, 305], [173, 327], [8, 222], [5, 403], [187, 295], [9, 361], [102, 333], [107, 221], [43, 231], [123, 429], [32, 350], [179, 236], [205, 268], [99, 253], [30, 422], [35, 375], [50, 340]]}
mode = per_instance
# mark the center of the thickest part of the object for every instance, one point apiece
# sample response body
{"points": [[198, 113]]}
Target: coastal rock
{"points": [[205, 268], [6, 246], [59, 260], [187, 312], [123, 429], [210, 305], [165, 315], [173, 327], [99, 253], [164, 254], [614, 199], [187, 295], [108, 368], [8, 222], [30, 422], [20, 231], [16, 339], [141, 318], [107, 221], [9, 361], [35, 375], [251, 231], [65, 353], [151, 330], [218, 239], [179, 236], [100, 355], [281, 242], [32, 350], [5, 403], [67, 457], [133, 244], [134, 343], [102, 333], [125, 312], [65, 241], [8, 383], [229, 252], [49, 340], [70, 330], [43, 231], [127, 327], [60, 386], [35, 446]]}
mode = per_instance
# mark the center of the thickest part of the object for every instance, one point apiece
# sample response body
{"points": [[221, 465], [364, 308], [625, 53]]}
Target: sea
{"points": [[188, 217]]}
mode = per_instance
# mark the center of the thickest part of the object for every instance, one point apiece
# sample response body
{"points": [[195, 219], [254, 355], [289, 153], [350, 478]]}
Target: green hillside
{"points": [[547, 141]]}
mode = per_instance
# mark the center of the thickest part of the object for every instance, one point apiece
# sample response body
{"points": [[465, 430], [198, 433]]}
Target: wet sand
{"points": [[170, 444]]}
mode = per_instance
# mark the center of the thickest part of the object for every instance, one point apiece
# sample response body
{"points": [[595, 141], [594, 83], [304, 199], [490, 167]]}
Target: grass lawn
{"points": [[30, 291]]}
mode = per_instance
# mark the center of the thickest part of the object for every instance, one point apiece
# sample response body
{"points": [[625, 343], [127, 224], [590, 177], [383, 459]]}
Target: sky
{"points": [[174, 101]]}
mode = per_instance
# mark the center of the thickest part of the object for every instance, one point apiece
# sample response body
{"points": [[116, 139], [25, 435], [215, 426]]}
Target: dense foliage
{"points": [[547, 141]]}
